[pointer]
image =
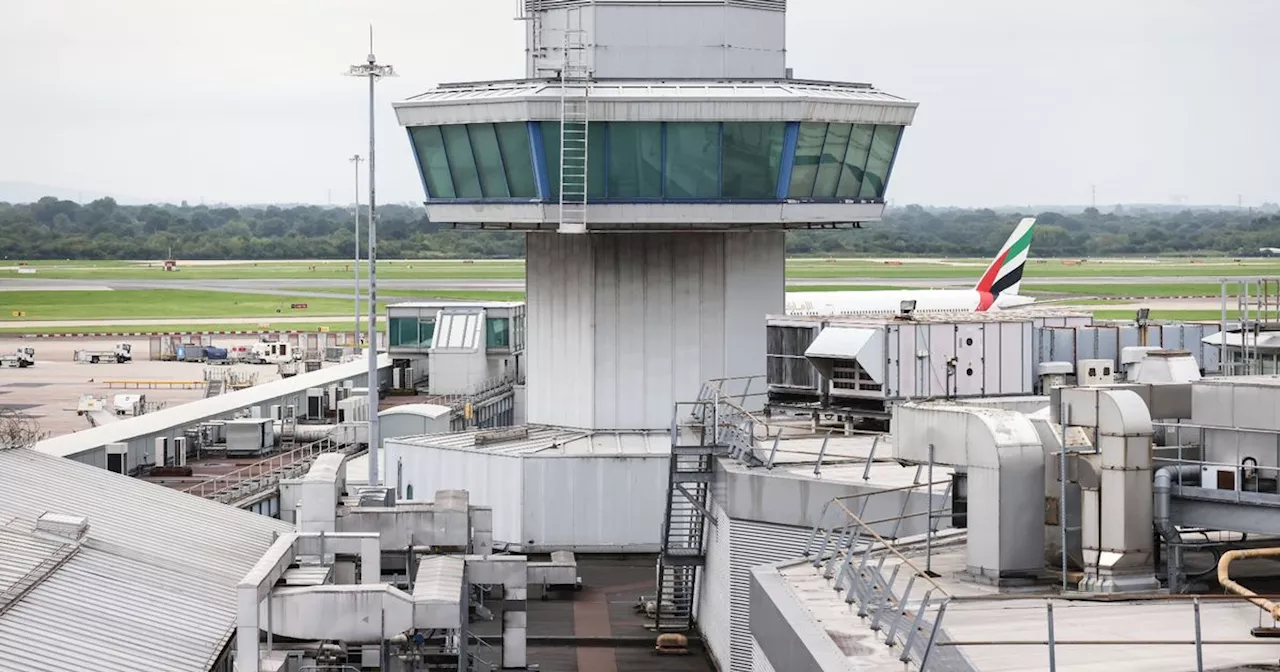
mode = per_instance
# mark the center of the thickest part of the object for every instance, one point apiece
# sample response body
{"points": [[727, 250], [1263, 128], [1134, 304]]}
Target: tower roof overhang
{"points": [[659, 100]]}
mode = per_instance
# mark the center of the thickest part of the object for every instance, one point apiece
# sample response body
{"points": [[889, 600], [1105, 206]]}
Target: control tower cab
{"points": [[656, 154]]}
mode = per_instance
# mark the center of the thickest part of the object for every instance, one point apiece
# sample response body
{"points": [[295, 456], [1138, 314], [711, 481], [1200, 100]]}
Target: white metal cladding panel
{"points": [[491, 480], [560, 288], [758, 661], [167, 527], [898, 362], [623, 326], [753, 543], [967, 339], [105, 611], [755, 269], [594, 502], [713, 595], [650, 41]]}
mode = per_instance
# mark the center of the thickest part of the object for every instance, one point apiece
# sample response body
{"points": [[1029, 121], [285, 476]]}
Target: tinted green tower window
{"points": [[476, 160], [429, 145], [635, 160], [595, 158], [752, 159], [629, 161], [843, 161], [693, 160]]}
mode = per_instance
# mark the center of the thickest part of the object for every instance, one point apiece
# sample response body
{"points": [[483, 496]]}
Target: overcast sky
{"points": [[1020, 102]]}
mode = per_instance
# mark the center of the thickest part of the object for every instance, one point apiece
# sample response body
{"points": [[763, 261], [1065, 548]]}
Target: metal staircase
{"points": [[288, 433], [693, 447], [575, 84], [213, 387]]}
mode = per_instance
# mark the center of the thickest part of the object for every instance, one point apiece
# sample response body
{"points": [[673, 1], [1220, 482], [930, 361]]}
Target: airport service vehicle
{"points": [[996, 290], [272, 352], [21, 359], [122, 353], [202, 354]]}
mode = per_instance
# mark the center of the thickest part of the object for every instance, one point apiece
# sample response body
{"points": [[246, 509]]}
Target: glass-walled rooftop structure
{"points": [[412, 327], [671, 161], [660, 155]]}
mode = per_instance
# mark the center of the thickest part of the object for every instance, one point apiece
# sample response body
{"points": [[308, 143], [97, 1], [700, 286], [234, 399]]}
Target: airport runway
{"points": [[339, 288]]}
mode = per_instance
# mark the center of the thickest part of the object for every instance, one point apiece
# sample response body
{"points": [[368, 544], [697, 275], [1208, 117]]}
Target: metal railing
{"points": [[478, 392], [265, 474], [1051, 641], [733, 425], [853, 554]]}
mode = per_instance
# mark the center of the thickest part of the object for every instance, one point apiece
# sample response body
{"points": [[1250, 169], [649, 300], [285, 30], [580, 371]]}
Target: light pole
{"points": [[356, 267], [373, 70]]}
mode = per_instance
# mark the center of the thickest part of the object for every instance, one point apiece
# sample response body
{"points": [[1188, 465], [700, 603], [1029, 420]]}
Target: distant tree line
{"points": [[102, 229]]}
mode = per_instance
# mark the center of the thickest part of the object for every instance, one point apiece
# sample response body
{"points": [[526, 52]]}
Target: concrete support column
{"points": [[623, 325]]}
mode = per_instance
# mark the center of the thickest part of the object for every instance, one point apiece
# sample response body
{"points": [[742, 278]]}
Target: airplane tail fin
{"points": [[1004, 275]]}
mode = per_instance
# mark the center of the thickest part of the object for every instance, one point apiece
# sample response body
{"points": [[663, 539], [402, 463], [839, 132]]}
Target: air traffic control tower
{"points": [[655, 155]]}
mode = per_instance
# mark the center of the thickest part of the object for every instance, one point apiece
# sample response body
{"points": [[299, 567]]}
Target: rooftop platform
{"points": [[597, 629], [987, 631]]}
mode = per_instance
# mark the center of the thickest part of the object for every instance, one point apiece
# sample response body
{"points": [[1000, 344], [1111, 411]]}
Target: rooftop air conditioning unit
{"points": [[1220, 478], [1095, 372]]}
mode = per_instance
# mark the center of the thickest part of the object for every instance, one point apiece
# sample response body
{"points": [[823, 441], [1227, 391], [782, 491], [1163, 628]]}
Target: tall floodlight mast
{"points": [[356, 267], [374, 71]]}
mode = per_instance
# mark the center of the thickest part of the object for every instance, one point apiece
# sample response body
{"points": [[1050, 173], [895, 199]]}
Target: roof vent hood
{"points": [[63, 525]]}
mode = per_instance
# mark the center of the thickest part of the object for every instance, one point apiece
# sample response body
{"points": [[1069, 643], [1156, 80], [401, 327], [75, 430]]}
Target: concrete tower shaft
{"points": [[656, 156], [672, 38], [620, 326]]}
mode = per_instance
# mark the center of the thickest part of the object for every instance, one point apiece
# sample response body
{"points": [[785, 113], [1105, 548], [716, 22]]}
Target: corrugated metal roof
{"points": [[102, 611], [152, 586], [554, 442], [191, 413], [21, 553]]}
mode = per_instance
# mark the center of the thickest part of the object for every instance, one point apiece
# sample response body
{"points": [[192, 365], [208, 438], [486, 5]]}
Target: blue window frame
{"points": [[675, 161]]}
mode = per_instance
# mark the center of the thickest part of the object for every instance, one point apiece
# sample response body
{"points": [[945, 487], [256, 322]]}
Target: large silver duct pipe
{"points": [[1116, 488]]}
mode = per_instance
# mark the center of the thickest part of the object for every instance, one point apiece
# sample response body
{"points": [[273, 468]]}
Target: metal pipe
{"points": [[928, 531], [1199, 640], [886, 598], [773, 452], [915, 626], [1053, 658], [1062, 497], [817, 468], [1224, 578], [1161, 489], [356, 267], [871, 458], [933, 636], [900, 611]]}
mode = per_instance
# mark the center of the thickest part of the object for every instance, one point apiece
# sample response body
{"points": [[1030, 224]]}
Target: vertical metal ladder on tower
{"points": [[693, 450], [575, 85]]}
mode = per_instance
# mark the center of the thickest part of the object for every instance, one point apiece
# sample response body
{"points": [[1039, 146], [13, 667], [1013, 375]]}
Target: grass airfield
{"points": [[99, 296]]}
